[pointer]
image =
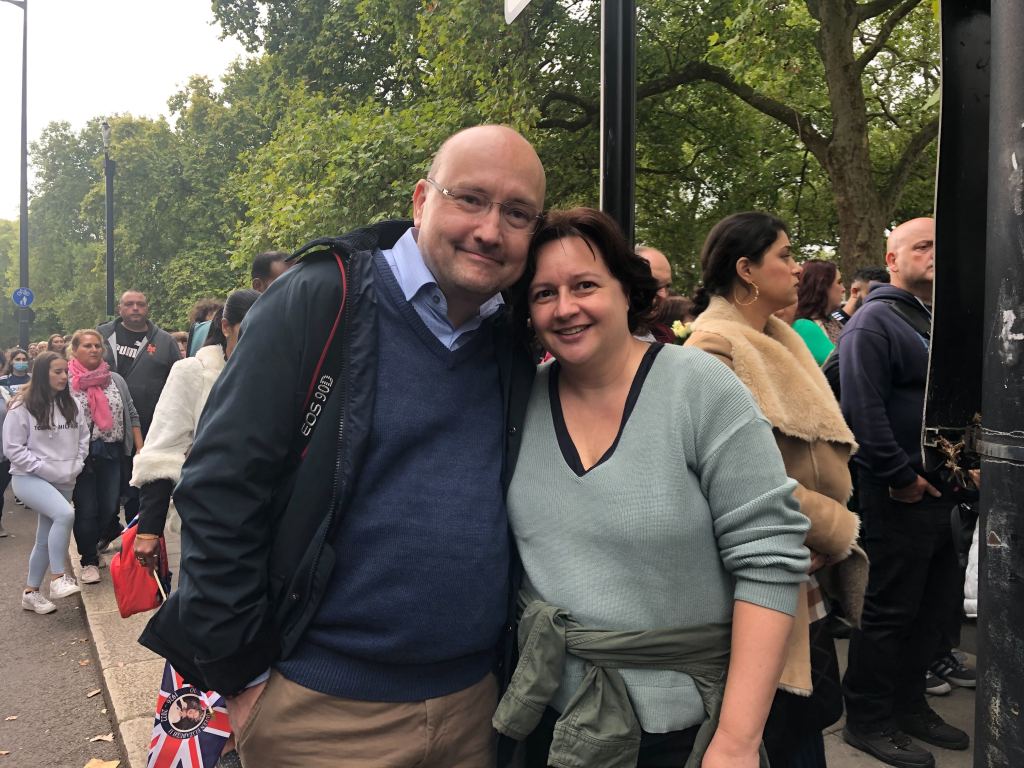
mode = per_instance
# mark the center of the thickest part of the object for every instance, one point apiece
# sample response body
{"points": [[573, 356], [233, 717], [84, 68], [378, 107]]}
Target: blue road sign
{"points": [[23, 297]]}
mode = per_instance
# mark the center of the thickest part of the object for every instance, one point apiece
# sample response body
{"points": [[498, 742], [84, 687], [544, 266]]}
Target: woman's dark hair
{"points": [[604, 238], [747, 234], [234, 310], [812, 294], [673, 308], [39, 398], [204, 309]]}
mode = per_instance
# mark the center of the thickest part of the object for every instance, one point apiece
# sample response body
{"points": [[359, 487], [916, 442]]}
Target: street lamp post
{"points": [[108, 173], [24, 313]]}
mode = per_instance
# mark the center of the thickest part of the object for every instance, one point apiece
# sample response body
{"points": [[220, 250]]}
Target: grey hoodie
{"points": [[55, 455]]}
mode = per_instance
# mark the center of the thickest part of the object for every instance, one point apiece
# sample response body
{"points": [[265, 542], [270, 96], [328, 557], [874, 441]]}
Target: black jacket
{"points": [[147, 374], [257, 520], [883, 367]]}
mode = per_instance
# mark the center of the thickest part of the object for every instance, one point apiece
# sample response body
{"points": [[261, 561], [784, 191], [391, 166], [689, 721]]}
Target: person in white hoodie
{"points": [[46, 442]]}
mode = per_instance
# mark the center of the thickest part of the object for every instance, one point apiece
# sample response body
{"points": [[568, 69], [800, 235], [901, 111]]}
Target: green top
{"points": [[815, 338], [691, 512]]}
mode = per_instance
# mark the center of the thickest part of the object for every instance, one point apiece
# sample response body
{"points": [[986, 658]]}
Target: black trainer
{"points": [[954, 671], [927, 726], [890, 745]]}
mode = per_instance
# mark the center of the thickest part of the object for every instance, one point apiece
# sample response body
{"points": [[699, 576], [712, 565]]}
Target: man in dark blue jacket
{"points": [[883, 364], [350, 598]]}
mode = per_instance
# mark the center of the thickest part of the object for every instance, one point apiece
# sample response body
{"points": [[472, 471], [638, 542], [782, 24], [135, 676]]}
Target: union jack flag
{"points": [[191, 726]]}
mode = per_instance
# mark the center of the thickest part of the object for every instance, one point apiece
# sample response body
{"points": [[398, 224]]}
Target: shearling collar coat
{"points": [[815, 444]]}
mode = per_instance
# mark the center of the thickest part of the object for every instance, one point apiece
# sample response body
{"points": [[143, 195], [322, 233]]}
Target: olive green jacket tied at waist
{"points": [[598, 728]]}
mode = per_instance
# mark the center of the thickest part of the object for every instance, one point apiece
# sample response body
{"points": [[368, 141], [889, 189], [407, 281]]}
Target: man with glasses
{"points": [[362, 595]]}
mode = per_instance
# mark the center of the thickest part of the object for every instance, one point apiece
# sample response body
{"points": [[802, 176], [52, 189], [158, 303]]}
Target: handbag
{"points": [[137, 588]]}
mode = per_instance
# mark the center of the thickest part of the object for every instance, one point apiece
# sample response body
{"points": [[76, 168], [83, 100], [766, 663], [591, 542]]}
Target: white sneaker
{"points": [[64, 586], [90, 574], [34, 601]]}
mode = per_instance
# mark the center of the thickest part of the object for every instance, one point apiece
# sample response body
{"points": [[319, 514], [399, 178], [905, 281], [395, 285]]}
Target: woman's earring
{"points": [[757, 295]]}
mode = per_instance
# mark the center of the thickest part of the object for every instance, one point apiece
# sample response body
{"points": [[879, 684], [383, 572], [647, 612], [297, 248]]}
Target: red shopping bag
{"points": [[135, 586]]}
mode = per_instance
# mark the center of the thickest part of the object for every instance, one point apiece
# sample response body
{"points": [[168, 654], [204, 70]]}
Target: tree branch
{"points": [[799, 123], [885, 32], [874, 8], [587, 111], [691, 72], [911, 154]]}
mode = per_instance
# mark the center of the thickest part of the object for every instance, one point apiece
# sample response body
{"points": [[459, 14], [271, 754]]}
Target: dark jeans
{"points": [[5, 480], [657, 750], [130, 494], [96, 497], [912, 588]]}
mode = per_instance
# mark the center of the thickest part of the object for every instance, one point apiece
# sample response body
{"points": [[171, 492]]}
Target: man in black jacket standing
{"points": [[912, 586], [143, 354], [140, 351], [345, 560]]}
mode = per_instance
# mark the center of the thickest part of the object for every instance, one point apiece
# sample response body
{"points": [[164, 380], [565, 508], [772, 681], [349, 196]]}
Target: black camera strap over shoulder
{"points": [[328, 367]]}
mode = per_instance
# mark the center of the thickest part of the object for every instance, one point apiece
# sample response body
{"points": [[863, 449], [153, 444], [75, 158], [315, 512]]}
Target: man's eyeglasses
{"points": [[515, 215]]}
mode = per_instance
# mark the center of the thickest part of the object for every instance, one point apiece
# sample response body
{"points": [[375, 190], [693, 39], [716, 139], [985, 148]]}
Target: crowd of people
{"points": [[636, 553]]}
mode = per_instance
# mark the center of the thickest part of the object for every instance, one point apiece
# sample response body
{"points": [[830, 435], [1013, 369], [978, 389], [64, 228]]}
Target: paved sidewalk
{"points": [[132, 675]]}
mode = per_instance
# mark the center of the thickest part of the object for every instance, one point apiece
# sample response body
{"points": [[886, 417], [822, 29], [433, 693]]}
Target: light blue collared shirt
{"points": [[422, 292]]}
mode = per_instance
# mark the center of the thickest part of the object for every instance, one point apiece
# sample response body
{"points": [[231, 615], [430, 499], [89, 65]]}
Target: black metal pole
{"points": [[999, 720], [24, 315], [618, 112], [108, 172]]}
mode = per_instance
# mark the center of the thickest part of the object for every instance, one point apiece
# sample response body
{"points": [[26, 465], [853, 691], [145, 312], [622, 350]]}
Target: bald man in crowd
{"points": [[905, 509], [401, 486], [661, 269]]}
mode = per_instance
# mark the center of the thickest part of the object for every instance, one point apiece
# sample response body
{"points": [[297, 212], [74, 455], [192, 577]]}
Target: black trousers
{"points": [[5, 480], [912, 590], [657, 750]]}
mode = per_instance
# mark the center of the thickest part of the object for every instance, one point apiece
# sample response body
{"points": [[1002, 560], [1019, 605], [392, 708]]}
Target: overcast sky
{"points": [[89, 58]]}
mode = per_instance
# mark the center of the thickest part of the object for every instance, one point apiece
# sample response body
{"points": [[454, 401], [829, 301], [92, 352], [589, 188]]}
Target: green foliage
{"points": [[742, 104]]}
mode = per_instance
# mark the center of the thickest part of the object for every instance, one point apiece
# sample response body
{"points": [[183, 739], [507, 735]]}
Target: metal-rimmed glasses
{"points": [[514, 214]]}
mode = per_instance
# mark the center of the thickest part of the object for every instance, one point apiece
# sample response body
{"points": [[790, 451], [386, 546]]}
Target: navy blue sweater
{"points": [[417, 600], [883, 368]]}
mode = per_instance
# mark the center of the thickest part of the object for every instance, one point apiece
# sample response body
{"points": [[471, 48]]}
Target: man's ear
{"points": [[419, 196], [890, 262]]}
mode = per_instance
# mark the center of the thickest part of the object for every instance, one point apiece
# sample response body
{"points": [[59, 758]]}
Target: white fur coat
{"points": [[177, 413]]}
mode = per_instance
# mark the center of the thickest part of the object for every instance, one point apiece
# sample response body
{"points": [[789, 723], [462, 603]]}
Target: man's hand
{"points": [[913, 493], [240, 706]]}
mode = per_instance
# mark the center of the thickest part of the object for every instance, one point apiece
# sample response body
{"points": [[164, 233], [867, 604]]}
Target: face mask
{"points": [[20, 367]]}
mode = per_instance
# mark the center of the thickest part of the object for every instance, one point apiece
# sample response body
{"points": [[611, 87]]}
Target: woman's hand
{"points": [[818, 560], [724, 751], [147, 551]]}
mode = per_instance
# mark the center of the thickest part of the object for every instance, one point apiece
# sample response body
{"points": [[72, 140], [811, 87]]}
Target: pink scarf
{"points": [[93, 383]]}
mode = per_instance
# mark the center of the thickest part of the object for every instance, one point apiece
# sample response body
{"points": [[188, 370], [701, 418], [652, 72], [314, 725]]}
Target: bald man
{"points": [[358, 589], [661, 270], [905, 508]]}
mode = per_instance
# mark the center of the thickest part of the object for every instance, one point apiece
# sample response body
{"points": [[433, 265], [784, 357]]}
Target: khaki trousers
{"points": [[291, 726]]}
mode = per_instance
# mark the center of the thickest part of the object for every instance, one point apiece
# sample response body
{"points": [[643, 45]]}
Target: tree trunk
{"points": [[861, 213]]}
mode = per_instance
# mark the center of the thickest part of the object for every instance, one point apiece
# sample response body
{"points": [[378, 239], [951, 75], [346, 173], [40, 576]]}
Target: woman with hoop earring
{"points": [[748, 274]]}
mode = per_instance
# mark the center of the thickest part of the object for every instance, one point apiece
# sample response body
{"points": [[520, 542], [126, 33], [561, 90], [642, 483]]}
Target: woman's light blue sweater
{"points": [[692, 512]]}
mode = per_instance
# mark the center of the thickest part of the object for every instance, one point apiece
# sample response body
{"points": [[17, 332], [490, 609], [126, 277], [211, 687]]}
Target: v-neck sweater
{"points": [[691, 512], [417, 601]]}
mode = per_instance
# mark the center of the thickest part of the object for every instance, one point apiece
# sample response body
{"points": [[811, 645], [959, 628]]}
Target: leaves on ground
{"points": [[92, 693], [107, 737], [84, 663], [11, 717], [97, 763]]}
